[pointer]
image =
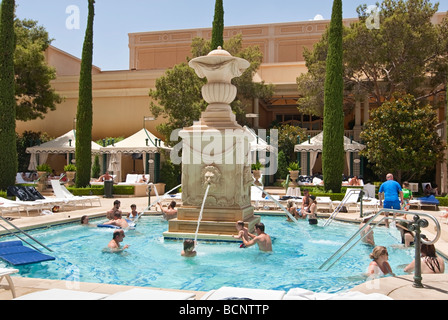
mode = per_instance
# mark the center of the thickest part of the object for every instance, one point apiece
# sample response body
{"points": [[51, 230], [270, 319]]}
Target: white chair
{"points": [[9, 208], [19, 179], [61, 191], [62, 294], [23, 205], [224, 293], [256, 196], [324, 203], [293, 192], [130, 179], [6, 273], [151, 294], [350, 200]]}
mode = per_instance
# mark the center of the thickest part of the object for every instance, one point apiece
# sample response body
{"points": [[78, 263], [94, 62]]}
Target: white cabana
{"points": [[315, 145], [64, 144], [142, 142]]}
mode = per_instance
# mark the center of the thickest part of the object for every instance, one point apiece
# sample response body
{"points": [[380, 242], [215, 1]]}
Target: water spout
{"points": [[200, 215]]}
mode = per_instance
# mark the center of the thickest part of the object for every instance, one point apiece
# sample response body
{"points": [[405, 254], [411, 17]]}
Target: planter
{"points": [[42, 183], [257, 175], [70, 178], [293, 176]]}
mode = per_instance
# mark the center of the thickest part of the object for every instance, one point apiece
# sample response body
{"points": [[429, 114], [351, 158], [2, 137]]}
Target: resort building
{"points": [[121, 100]]}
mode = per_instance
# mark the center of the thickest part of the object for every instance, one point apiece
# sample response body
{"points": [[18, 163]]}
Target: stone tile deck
{"points": [[400, 287]]}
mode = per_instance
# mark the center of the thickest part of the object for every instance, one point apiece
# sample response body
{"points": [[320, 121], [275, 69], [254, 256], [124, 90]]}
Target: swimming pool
{"points": [[152, 261]]}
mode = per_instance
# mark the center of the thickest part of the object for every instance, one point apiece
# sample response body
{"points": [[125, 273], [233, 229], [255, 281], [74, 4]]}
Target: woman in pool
{"points": [[311, 211], [379, 267], [430, 262]]}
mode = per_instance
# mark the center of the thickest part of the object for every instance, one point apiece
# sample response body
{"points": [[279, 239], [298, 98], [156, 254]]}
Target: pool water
{"points": [[153, 261]]}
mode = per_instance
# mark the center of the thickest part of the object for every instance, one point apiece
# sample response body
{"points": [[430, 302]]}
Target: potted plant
{"points": [[70, 171], [256, 171], [43, 170], [293, 169]]}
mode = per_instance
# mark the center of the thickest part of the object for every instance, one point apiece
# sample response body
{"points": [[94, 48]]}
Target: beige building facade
{"points": [[121, 100]]}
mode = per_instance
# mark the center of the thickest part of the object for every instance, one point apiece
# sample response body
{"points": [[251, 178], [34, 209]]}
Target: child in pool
{"points": [[243, 232], [188, 249]]}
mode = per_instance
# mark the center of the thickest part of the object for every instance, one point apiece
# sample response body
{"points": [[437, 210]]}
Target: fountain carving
{"points": [[215, 156]]}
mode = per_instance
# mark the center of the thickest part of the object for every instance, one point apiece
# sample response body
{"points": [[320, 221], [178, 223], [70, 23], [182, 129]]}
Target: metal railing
{"points": [[415, 227], [14, 233], [342, 204]]}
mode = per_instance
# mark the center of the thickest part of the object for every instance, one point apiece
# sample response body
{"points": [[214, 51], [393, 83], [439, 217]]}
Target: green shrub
{"points": [[69, 167], [44, 167], [126, 190]]}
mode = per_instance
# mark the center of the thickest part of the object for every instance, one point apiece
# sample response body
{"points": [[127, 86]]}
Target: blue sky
{"points": [[114, 19]]}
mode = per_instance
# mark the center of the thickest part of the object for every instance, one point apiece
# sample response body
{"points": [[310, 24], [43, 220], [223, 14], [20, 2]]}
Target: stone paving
{"points": [[400, 287]]}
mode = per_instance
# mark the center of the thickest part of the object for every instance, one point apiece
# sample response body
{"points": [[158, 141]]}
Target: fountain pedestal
{"points": [[215, 152]]}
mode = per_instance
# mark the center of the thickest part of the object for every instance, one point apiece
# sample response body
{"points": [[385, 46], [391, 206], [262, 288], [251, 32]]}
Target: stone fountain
{"points": [[215, 153]]}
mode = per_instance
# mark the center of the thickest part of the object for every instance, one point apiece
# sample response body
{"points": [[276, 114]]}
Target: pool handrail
{"points": [[157, 199], [341, 204], [377, 223], [23, 232], [279, 204]]}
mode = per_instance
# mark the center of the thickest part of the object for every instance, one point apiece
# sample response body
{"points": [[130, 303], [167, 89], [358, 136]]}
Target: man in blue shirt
{"points": [[392, 193]]}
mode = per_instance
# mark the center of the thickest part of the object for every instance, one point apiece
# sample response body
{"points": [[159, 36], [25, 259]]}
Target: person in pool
{"points": [[262, 239], [379, 266], [117, 237], [188, 249], [243, 232], [116, 208], [133, 214], [170, 212], [118, 221]]}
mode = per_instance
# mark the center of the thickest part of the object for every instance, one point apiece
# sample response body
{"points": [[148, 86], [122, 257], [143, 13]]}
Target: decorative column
{"points": [[215, 153]]}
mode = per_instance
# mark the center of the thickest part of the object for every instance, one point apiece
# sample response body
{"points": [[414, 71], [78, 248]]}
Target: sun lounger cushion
{"points": [[36, 194], [16, 253], [429, 200], [19, 192]]}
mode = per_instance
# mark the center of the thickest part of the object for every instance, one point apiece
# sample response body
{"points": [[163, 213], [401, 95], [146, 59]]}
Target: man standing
{"points": [[392, 193]]}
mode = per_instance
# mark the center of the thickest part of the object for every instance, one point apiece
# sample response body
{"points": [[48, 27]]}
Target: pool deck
{"points": [[399, 288]]}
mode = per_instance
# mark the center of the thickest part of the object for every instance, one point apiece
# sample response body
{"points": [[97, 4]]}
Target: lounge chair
{"points": [[62, 294], [150, 294], [6, 273], [23, 205], [302, 294], [293, 192], [20, 180], [350, 200], [369, 201], [31, 195], [228, 293], [258, 201], [130, 179], [61, 191], [9, 208], [324, 203]]}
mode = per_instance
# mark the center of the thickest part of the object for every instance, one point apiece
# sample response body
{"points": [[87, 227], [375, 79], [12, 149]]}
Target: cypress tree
{"points": [[84, 116], [8, 148], [333, 140], [218, 26]]}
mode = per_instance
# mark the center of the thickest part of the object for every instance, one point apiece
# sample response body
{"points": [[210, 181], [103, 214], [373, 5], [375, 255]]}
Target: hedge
{"points": [[99, 190]]}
